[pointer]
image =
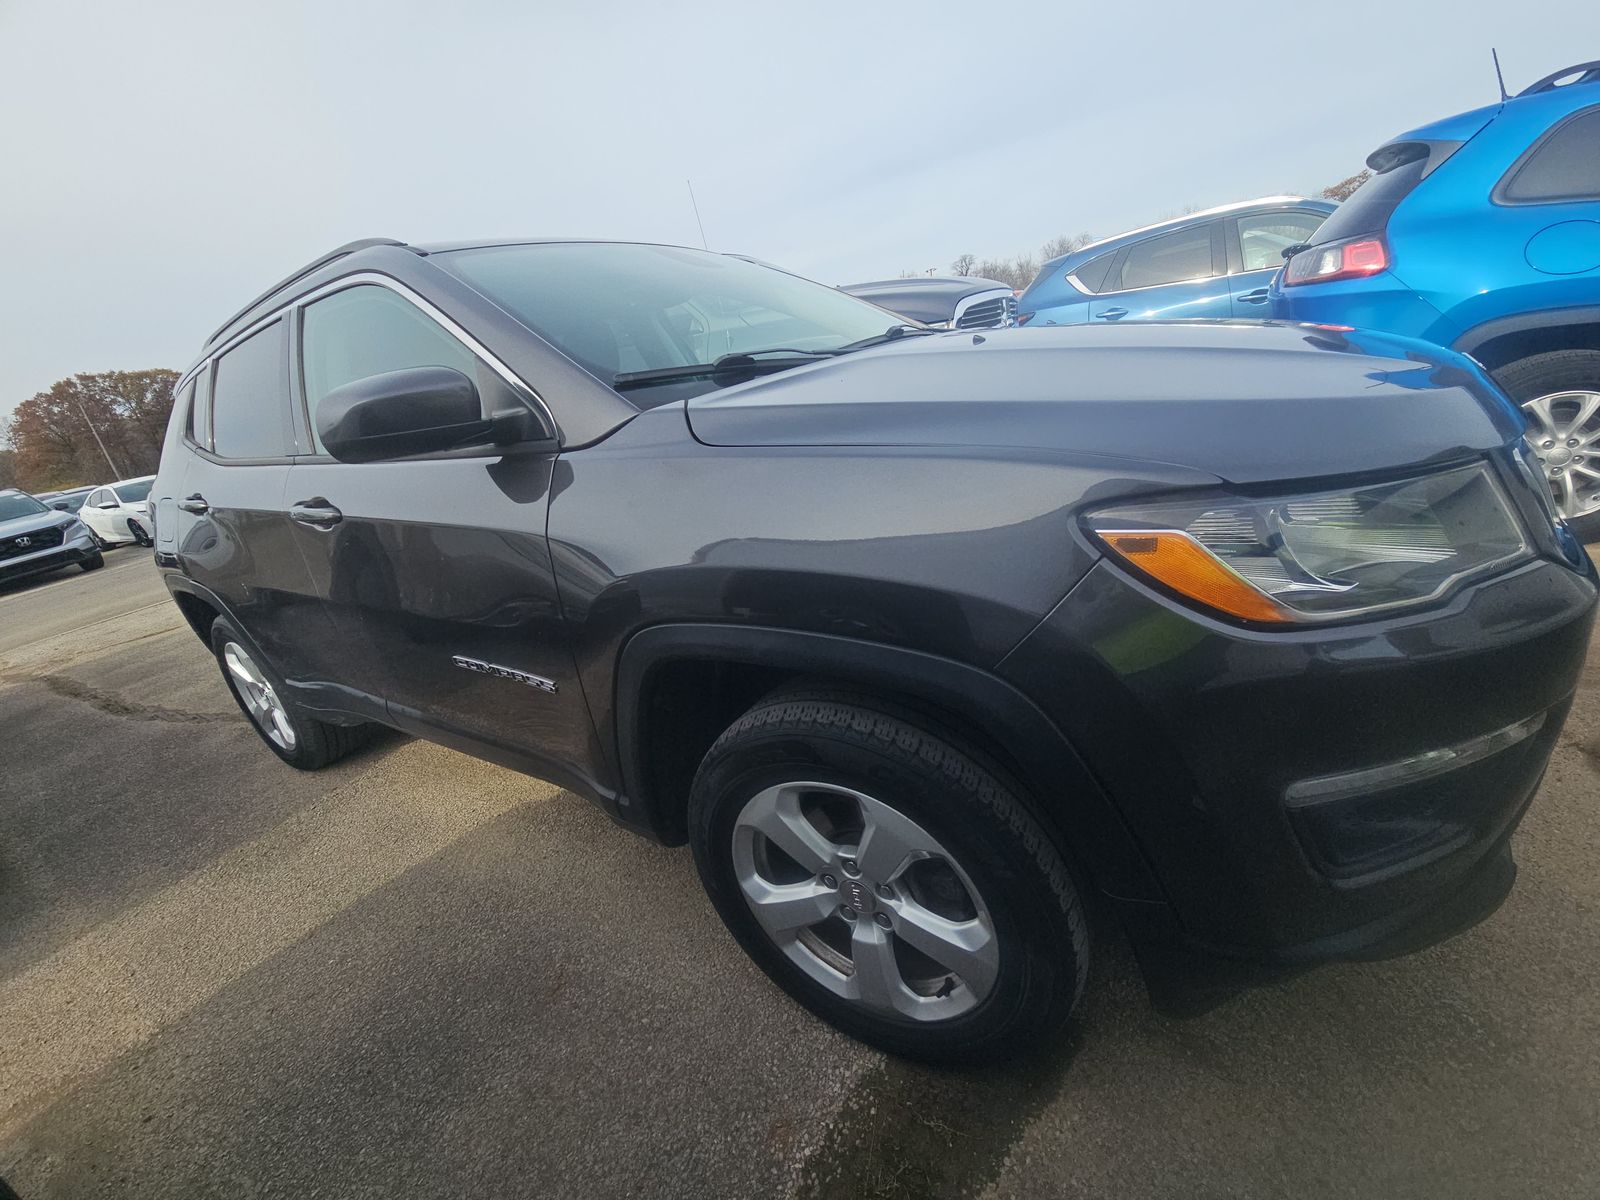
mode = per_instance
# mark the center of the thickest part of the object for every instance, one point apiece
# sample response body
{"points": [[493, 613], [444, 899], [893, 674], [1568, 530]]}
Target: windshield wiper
{"points": [[744, 363], [892, 334]]}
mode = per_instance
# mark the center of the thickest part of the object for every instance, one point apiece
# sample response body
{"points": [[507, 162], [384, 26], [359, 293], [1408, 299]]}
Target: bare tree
{"points": [[1058, 247], [1345, 188], [963, 264]]}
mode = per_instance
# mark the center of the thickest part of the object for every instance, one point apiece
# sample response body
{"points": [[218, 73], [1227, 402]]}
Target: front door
{"points": [[435, 570]]}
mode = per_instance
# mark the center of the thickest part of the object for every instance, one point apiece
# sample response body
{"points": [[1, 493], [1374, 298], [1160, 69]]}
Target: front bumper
{"points": [[1218, 745], [73, 551]]}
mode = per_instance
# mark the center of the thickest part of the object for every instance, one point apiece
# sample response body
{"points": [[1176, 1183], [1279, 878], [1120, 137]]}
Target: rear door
{"points": [[435, 568], [1169, 276], [1256, 243], [232, 534]]}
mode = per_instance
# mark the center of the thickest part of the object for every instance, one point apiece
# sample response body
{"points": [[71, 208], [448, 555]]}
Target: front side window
{"points": [[18, 505], [1170, 258], [1264, 238], [1564, 166], [370, 330], [616, 308], [250, 398]]}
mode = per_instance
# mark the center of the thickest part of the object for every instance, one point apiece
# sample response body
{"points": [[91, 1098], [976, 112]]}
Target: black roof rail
{"points": [[330, 256], [1588, 72]]}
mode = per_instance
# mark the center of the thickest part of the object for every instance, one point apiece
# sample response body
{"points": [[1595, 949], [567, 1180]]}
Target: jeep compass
{"points": [[933, 646]]}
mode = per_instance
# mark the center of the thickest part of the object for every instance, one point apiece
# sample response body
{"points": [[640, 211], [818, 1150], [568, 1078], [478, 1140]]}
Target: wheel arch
{"points": [[1497, 343], [745, 662]]}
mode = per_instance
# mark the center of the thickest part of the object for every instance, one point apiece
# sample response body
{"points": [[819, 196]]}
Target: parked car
{"points": [[916, 638], [1215, 263], [35, 538], [1482, 232], [964, 302], [68, 501], [119, 513]]}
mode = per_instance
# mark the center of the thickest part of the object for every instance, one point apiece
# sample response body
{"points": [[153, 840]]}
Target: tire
{"points": [[1554, 389], [295, 736], [137, 532], [828, 774], [93, 563]]}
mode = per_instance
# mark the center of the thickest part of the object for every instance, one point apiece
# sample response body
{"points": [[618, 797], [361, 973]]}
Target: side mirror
{"points": [[419, 410], [61, 506], [107, 504]]}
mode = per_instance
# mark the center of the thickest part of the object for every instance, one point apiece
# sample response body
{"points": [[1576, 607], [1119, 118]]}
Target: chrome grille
{"points": [[19, 544], [986, 314]]}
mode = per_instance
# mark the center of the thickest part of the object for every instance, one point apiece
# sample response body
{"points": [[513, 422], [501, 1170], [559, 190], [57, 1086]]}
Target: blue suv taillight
{"points": [[1353, 259]]}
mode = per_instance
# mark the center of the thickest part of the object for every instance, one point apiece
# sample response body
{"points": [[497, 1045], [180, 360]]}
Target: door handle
{"points": [[1259, 296], [316, 512], [195, 504], [1111, 314]]}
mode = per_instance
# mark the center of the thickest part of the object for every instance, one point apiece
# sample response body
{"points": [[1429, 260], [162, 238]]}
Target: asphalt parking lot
{"points": [[417, 974]]}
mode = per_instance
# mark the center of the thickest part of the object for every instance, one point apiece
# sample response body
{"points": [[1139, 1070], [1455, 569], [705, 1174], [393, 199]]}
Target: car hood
{"points": [[1243, 401], [31, 524]]}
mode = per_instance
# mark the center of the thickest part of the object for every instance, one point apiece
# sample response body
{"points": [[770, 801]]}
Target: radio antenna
{"points": [[1501, 79], [704, 244]]}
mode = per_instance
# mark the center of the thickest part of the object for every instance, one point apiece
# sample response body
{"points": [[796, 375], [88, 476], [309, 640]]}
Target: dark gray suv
{"points": [[1251, 639]]}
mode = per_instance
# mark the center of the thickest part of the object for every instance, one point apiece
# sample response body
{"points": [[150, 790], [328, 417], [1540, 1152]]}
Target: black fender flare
{"points": [[1074, 807], [1480, 335]]}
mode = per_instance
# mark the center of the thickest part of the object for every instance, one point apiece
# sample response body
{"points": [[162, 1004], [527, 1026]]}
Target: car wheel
{"points": [[887, 880], [94, 562], [1560, 393], [293, 735], [140, 537]]}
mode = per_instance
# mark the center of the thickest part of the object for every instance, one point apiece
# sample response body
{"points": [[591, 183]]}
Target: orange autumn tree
{"points": [[52, 434]]}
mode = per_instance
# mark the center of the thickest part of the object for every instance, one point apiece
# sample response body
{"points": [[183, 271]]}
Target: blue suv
{"points": [[1216, 263], [1481, 232]]}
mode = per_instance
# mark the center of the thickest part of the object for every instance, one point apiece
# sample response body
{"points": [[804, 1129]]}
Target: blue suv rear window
{"points": [[1399, 168]]}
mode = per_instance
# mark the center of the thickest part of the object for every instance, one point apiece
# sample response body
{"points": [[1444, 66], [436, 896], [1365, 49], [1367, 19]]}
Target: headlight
{"points": [[1326, 556]]}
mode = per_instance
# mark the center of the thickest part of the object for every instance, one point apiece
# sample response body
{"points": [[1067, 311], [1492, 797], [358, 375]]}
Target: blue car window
{"points": [[1564, 165], [1264, 238], [1170, 258], [1093, 273]]}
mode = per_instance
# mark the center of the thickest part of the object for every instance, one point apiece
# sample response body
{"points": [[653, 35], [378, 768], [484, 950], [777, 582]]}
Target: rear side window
{"points": [[1264, 237], [369, 330], [1093, 273], [1170, 258], [1563, 165], [250, 398], [186, 403]]}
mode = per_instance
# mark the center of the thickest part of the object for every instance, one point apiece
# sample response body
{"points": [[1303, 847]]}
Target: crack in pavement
{"points": [[114, 705]]}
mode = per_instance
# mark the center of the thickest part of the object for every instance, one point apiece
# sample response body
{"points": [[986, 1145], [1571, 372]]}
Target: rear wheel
{"points": [[1560, 393], [887, 880], [295, 736]]}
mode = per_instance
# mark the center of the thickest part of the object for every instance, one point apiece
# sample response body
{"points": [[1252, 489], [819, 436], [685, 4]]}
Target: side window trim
{"points": [[522, 390]]}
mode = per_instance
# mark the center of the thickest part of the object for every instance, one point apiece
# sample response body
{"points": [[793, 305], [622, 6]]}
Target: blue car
{"points": [[1481, 232], [1216, 263]]}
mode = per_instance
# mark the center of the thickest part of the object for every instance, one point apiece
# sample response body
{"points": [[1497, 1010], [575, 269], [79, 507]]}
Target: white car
{"points": [[118, 513]]}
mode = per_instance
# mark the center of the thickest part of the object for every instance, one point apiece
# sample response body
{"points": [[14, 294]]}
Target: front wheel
{"points": [[94, 562], [887, 880], [1560, 393]]}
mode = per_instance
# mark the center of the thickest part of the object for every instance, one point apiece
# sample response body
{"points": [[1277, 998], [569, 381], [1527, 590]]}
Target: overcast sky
{"points": [[162, 162]]}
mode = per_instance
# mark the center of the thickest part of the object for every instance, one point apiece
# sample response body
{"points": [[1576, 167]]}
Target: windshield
{"points": [[618, 309], [17, 505], [132, 493]]}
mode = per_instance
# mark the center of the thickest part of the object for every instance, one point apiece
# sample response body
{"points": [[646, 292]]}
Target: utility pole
{"points": [[116, 473]]}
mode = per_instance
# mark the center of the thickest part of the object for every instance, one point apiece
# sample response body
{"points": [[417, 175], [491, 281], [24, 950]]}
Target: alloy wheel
{"points": [[865, 901], [1565, 436], [260, 700]]}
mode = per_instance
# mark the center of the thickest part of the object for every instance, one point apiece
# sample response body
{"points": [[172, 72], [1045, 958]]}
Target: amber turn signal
{"points": [[1188, 568]]}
